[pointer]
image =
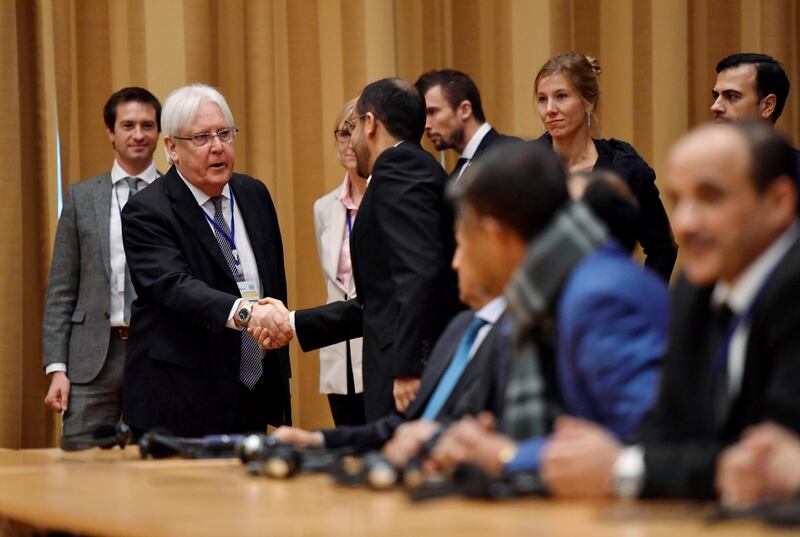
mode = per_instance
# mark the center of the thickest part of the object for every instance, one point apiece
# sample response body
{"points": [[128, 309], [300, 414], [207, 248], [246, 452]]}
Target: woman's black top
{"points": [[654, 232]]}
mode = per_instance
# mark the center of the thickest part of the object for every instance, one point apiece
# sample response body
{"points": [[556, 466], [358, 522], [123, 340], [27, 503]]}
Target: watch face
{"points": [[244, 314]]}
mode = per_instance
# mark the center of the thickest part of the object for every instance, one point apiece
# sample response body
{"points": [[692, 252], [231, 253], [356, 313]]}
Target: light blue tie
{"points": [[454, 371]]}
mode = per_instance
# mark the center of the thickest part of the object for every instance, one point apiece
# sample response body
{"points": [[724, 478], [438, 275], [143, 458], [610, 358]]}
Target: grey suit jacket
{"points": [[76, 313]]}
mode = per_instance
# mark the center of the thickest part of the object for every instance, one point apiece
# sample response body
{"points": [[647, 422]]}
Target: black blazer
{"points": [[467, 398], [681, 441], [491, 138], [654, 232], [401, 247], [182, 367]]}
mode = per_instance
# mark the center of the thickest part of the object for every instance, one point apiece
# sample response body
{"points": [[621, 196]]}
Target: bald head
{"points": [[733, 195]]}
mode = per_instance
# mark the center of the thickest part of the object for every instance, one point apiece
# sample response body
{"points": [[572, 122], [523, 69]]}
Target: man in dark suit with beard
{"points": [[401, 246], [203, 244], [455, 118]]}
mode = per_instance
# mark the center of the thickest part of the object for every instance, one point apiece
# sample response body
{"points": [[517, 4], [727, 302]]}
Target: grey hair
{"points": [[181, 106]]}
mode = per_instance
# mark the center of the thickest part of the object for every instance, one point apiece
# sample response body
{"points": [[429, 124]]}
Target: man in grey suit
{"points": [[89, 294]]}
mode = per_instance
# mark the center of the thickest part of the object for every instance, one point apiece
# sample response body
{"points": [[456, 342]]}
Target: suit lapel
{"points": [[102, 207], [437, 365], [331, 239], [185, 206]]}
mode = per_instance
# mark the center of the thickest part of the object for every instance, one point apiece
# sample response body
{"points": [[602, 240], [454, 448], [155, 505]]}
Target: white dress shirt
{"points": [[472, 146]]}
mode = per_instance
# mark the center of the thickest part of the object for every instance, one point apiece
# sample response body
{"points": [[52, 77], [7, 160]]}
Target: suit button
{"points": [[108, 316]]}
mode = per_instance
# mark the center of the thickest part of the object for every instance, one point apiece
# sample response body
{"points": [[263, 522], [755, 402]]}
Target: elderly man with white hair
{"points": [[203, 245]]}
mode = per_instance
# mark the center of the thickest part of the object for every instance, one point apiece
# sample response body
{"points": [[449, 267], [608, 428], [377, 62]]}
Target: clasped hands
{"points": [[269, 324]]}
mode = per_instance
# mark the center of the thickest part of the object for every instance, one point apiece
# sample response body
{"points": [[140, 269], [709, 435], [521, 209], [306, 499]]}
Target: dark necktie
{"points": [[129, 293], [460, 165], [719, 344], [250, 367], [453, 372]]}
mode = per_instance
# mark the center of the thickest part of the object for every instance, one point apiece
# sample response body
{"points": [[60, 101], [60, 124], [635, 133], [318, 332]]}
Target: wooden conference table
{"points": [[115, 493]]}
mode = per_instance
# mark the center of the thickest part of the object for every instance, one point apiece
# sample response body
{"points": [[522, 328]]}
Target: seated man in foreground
{"points": [[606, 315], [734, 355]]}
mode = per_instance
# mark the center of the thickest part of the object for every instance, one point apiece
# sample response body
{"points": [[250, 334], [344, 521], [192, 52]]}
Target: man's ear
{"points": [[370, 124], [464, 110], [766, 106], [169, 143]]}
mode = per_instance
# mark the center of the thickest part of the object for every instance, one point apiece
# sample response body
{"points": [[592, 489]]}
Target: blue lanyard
{"points": [[232, 237], [349, 223], [721, 360]]}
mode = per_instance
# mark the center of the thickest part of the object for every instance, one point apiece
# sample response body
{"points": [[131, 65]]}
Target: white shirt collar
{"points": [[201, 197], [739, 296], [493, 310], [148, 175], [475, 141]]}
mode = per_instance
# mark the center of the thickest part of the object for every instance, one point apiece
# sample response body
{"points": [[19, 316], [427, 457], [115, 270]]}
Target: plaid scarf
{"points": [[532, 296]]}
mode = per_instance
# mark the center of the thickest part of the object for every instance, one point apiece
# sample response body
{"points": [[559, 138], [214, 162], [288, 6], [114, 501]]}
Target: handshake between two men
{"points": [[269, 324]]}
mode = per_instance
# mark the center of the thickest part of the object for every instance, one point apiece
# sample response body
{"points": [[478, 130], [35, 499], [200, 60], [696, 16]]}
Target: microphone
{"points": [[104, 436], [160, 443], [265, 455], [372, 469]]}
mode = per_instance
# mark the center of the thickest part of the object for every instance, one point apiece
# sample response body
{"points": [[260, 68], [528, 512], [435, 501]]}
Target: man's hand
{"points": [[471, 440], [405, 390], [58, 394], [578, 460], [765, 463], [298, 437], [269, 324], [407, 441]]}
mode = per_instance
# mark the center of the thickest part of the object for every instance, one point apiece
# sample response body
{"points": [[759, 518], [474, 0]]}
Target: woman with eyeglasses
{"points": [[566, 93], [334, 216]]}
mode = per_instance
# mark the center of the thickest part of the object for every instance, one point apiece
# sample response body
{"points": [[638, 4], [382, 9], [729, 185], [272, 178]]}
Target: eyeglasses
{"points": [[343, 134], [201, 139]]}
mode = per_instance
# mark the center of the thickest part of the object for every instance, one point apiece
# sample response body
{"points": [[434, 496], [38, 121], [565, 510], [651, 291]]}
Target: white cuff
{"points": [[58, 366], [229, 323], [291, 323], [629, 472]]}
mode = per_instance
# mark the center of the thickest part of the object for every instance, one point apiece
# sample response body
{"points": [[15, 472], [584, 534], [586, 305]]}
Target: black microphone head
{"points": [[109, 435], [158, 444]]}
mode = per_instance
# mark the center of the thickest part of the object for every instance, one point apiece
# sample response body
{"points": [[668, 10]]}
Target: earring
{"points": [[589, 119]]}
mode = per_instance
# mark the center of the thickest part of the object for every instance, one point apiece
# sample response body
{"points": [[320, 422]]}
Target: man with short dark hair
{"points": [[590, 324], [751, 86], [87, 307], [455, 118], [401, 246], [734, 354]]}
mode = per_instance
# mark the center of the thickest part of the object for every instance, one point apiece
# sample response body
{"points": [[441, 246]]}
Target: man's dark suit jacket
{"points": [[401, 248], [182, 368], [467, 398], [681, 442], [492, 138]]}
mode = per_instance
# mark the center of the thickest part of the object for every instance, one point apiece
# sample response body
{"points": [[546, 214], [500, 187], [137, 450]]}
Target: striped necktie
{"points": [[250, 367]]}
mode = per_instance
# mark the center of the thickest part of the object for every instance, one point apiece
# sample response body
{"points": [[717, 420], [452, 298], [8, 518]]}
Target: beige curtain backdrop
{"points": [[286, 66]]}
